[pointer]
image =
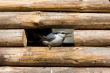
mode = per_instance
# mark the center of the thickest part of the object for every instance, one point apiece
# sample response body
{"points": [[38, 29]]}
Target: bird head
{"points": [[62, 33]]}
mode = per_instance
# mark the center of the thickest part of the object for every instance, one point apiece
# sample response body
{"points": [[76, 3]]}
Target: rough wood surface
{"points": [[53, 70], [11, 37], [31, 20], [57, 56], [56, 5], [91, 38]]}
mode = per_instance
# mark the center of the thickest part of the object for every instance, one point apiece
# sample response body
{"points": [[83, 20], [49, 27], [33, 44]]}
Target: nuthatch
{"points": [[54, 39]]}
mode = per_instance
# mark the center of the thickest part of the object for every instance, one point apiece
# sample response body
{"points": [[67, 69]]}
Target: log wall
{"points": [[13, 38], [56, 5], [57, 56], [92, 57], [91, 38], [53, 69], [32, 20]]}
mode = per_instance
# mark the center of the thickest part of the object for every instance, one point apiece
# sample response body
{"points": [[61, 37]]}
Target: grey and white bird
{"points": [[54, 39]]}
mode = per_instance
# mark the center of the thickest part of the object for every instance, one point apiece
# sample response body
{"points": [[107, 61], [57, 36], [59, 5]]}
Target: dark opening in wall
{"points": [[34, 40]]}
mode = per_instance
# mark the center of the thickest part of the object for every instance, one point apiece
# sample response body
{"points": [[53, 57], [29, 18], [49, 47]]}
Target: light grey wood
{"points": [[54, 70]]}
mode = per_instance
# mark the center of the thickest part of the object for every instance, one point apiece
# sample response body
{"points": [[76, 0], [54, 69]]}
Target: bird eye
{"points": [[63, 33]]}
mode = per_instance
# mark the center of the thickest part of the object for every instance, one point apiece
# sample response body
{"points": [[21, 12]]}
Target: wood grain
{"points": [[54, 70], [12, 38], [56, 5], [32, 20], [57, 56], [91, 38]]}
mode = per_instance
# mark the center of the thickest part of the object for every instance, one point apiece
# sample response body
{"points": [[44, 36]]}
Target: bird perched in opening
{"points": [[54, 39]]}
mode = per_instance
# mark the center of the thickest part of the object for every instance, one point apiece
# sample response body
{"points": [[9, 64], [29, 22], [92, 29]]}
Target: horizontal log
{"points": [[57, 56], [13, 37], [91, 38], [31, 20], [56, 5], [53, 70]]}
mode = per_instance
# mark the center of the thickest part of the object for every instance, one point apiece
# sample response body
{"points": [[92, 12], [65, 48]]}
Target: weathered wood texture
{"points": [[57, 56], [53, 70], [13, 37], [56, 5], [51, 19], [91, 38]]}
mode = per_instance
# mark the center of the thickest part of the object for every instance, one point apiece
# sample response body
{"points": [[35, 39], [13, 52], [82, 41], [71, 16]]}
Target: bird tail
{"points": [[42, 37]]}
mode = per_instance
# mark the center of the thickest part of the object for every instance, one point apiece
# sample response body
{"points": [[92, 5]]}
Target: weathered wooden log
{"points": [[56, 5], [91, 38], [52, 19], [53, 70], [57, 56], [13, 37]]}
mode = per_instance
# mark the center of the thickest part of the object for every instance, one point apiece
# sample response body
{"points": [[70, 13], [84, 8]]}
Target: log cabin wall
{"points": [[89, 19]]}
